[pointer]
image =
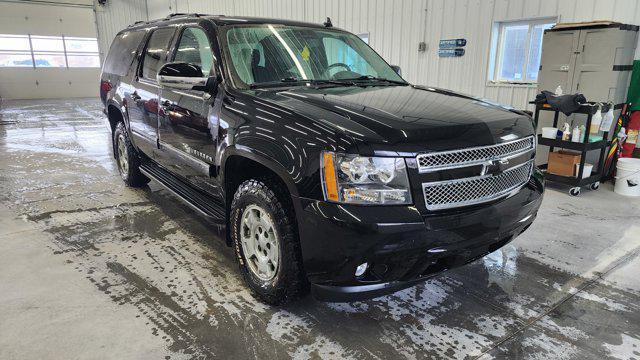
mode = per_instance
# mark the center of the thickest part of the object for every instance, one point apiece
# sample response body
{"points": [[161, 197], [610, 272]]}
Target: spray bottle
{"points": [[596, 120]]}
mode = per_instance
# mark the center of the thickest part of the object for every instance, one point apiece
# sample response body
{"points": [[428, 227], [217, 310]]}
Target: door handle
{"points": [[135, 96]]}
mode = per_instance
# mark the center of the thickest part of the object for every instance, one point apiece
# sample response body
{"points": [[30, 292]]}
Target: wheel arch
{"points": [[114, 116], [233, 154], [238, 165]]}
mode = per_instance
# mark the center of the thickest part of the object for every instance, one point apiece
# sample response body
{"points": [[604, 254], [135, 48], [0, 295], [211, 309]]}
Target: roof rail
{"points": [[171, 16], [136, 23]]}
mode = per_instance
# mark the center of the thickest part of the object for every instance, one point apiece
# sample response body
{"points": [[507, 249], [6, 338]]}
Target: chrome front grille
{"points": [[475, 190], [473, 156]]}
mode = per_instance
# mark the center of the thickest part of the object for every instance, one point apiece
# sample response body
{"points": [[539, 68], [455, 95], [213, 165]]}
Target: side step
{"points": [[198, 200]]}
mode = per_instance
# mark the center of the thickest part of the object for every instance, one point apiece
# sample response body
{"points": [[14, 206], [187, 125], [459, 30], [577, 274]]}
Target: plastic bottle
{"points": [[607, 120], [566, 133], [575, 135], [558, 90], [596, 120]]}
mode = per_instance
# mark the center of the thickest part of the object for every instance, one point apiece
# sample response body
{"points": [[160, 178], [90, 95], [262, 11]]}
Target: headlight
{"points": [[357, 179]]}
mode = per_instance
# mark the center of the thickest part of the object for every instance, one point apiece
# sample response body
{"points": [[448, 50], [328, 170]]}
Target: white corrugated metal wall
{"points": [[115, 16], [397, 26]]}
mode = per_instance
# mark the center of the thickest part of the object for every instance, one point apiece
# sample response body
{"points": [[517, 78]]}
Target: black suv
{"points": [[326, 169]]}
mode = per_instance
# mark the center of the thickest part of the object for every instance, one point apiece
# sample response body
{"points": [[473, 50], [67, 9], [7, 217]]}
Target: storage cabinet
{"points": [[592, 59]]}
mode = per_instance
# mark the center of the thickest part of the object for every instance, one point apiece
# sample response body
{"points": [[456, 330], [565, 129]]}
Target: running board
{"points": [[198, 200]]}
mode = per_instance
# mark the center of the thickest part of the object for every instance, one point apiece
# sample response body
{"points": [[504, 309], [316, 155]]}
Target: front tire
{"points": [[127, 158], [266, 242]]}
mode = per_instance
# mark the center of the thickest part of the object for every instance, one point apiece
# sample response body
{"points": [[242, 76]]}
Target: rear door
{"points": [[143, 101], [186, 130]]}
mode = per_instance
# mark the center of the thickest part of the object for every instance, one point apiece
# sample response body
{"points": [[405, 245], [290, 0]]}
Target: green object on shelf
{"points": [[633, 96], [595, 138]]}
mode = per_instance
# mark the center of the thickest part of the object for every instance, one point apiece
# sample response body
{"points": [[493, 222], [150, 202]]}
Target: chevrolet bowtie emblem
{"points": [[494, 166]]}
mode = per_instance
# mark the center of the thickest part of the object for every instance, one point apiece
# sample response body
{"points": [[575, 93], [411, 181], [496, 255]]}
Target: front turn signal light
{"points": [[329, 172]]}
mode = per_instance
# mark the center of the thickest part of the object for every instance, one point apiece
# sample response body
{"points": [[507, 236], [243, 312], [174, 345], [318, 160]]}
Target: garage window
{"points": [[48, 51], [516, 50], [15, 51], [82, 52]]}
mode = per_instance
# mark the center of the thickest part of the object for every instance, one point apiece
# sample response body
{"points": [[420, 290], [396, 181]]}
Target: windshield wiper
{"points": [[374, 78], [333, 82], [287, 80], [295, 80]]}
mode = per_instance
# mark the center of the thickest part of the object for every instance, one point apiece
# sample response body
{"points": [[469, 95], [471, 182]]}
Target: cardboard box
{"points": [[563, 162]]}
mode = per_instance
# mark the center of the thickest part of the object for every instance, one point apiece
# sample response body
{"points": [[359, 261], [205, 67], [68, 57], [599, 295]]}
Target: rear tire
{"points": [[265, 238], [127, 158]]}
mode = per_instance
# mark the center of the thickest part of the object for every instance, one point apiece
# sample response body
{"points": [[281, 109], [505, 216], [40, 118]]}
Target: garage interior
{"points": [[91, 268]]}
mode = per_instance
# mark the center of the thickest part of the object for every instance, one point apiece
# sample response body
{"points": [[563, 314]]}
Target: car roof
{"points": [[220, 20]]}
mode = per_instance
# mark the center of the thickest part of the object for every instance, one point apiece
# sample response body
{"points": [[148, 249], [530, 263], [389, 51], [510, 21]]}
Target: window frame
{"points": [[143, 53], [173, 49], [64, 52], [496, 49]]}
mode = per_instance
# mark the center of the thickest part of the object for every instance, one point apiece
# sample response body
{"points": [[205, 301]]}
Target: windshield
{"points": [[264, 54]]}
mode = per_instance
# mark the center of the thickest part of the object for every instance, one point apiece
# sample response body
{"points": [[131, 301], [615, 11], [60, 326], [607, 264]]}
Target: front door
{"points": [[188, 125], [143, 101]]}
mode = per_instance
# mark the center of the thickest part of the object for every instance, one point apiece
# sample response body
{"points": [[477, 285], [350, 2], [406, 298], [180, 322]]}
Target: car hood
{"points": [[404, 119]]}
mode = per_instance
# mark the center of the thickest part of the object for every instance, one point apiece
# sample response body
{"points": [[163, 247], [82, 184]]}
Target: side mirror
{"points": [[181, 75], [397, 69]]}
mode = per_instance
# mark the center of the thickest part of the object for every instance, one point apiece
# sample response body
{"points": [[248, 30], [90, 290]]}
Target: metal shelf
{"points": [[578, 146], [572, 180], [577, 182]]}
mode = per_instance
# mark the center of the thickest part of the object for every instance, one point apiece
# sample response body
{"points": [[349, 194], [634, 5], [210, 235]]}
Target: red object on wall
{"points": [[633, 128]]}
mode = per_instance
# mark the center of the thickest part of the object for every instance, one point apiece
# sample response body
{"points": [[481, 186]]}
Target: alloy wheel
{"points": [[259, 242]]}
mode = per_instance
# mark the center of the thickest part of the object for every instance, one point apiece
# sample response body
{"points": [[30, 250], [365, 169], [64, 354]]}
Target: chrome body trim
{"points": [[528, 144], [449, 189]]}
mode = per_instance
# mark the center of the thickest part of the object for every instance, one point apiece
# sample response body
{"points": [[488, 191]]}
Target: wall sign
{"points": [[450, 52], [452, 43]]}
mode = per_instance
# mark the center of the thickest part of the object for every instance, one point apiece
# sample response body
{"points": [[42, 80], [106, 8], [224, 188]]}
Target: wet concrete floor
{"points": [[92, 269]]}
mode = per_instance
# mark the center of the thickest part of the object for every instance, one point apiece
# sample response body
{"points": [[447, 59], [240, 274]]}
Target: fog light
{"points": [[361, 269]]}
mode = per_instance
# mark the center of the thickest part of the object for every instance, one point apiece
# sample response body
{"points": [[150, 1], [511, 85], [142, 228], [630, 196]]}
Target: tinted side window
{"points": [[122, 52], [155, 54], [194, 48]]}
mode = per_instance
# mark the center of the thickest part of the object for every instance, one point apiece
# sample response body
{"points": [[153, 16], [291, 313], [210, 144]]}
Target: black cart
{"points": [[578, 182]]}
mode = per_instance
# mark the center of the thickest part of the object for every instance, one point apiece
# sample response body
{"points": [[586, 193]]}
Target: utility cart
{"points": [[577, 182]]}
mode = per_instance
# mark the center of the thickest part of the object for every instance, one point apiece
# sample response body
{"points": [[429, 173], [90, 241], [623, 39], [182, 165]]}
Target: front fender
{"points": [[257, 156], [280, 138]]}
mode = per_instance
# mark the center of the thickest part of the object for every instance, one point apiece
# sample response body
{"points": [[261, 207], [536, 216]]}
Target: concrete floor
{"points": [[92, 269]]}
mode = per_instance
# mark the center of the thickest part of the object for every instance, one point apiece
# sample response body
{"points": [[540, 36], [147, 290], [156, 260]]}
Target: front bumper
{"points": [[401, 244]]}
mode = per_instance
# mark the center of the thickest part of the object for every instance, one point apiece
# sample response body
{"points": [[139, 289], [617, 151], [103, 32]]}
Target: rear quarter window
{"points": [[122, 52]]}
